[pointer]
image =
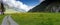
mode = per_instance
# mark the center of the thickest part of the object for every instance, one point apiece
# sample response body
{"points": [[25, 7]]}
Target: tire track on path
{"points": [[8, 21]]}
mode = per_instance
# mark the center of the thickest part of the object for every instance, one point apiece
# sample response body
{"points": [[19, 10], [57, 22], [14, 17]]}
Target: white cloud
{"points": [[17, 4]]}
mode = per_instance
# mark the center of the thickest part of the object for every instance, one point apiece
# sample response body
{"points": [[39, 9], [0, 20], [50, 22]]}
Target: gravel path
{"points": [[8, 21]]}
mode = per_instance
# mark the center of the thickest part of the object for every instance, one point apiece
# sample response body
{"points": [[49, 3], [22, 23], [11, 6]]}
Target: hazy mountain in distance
{"points": [[12, 9]]}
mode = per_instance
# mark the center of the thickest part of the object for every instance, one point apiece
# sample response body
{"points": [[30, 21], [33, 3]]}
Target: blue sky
{"points": [[30, 2]]}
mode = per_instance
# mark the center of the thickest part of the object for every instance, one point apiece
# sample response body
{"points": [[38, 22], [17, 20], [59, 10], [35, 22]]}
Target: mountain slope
{"points": [[9, 9]]}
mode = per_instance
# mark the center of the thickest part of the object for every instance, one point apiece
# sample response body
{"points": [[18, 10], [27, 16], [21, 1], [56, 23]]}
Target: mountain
{"points": [[9, 9], [47, 6]]}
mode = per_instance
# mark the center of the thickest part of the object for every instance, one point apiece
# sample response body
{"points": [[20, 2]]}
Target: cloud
{"points": [[17, 4]]}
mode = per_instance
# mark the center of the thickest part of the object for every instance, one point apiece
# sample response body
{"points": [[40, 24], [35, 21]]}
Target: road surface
{"points": [[8, 21]]}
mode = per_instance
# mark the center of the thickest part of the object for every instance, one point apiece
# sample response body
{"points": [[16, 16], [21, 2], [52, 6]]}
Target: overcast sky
{"points": [[22, 4]]}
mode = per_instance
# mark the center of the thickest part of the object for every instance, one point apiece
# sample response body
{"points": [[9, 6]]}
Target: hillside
{"points": [[9, 9], [47, 6]]}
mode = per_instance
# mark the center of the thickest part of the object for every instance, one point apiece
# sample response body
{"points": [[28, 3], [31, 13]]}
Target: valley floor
{"points": [[35, 18]]}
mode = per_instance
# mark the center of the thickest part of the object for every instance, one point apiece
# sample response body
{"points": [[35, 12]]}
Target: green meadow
{"points": [[35, 18], [1, 18]]}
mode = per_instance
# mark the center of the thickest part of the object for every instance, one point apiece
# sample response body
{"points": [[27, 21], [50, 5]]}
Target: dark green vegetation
{"points": [[37, 18], [2, 9]]}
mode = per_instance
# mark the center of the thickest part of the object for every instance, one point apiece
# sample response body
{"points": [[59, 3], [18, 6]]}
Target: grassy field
{"points": [[1, 18], [36, 18]]}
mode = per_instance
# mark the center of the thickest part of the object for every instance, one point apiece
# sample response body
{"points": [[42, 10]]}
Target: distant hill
{"points": [[9, 9], [47, 6]]}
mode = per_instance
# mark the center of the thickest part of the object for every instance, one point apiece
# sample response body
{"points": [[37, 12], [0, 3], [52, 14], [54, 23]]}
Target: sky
{"points": [[30, 2], [22, 4]]}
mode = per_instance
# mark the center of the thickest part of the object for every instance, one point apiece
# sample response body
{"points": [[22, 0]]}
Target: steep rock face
{"points": [[47, 6]]}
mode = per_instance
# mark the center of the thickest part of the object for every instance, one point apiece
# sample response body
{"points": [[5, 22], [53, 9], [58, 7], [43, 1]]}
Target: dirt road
{"points": [[8, 21]]}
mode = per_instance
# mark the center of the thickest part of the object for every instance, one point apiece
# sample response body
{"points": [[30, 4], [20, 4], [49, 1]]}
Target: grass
{"points": [[37, 18], [1, 18]]}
